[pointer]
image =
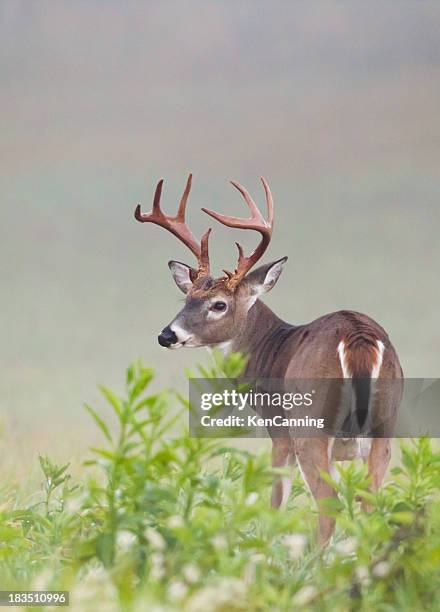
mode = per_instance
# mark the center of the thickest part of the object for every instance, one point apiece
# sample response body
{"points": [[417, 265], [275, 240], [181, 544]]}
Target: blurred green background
{"points": [[337, 104]]}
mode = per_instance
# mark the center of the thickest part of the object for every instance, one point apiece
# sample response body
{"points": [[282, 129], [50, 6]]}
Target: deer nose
{"points": [[167, 337]]}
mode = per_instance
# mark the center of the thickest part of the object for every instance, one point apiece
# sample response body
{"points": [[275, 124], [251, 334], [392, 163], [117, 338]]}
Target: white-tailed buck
{"points": [[227, 312]]}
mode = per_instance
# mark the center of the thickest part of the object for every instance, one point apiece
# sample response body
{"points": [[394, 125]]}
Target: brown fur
{"points": [[361, 350], [208, 287], [291, 353], [276, 349]]}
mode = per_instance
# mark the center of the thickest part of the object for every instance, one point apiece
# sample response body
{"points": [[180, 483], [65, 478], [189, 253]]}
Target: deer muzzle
{"points": [[167, 337]]}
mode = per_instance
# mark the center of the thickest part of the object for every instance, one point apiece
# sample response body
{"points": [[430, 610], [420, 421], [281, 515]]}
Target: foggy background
{"points": [[337, 104]]}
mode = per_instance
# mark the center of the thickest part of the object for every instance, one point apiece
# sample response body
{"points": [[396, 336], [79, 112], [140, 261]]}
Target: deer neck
{"points": [[260, 339]]}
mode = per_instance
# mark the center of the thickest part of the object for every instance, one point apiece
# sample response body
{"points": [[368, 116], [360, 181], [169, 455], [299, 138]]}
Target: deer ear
{"points": [[182, 275], [265, 277]]}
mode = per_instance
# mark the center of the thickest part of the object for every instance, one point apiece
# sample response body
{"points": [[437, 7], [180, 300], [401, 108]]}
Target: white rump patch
{"points": [[376, 368], [348, 398], [343, 360]]}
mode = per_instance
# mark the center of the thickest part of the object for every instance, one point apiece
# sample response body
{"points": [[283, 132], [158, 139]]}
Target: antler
{"points": [[256, 222], [177, 226]]}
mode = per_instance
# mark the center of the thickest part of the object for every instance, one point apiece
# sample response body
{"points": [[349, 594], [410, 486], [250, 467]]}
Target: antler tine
{"points": [[255, 212], [156, 213], [256, 222], [269, 200], [177, 226], [204, 253], [183, 201], [157, 196]]}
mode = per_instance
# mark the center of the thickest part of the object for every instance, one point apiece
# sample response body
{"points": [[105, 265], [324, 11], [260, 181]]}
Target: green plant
{"points": [[163, 519]]}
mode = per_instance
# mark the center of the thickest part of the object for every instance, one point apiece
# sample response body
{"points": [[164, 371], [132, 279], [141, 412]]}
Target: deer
{"points": [[227, 312]]}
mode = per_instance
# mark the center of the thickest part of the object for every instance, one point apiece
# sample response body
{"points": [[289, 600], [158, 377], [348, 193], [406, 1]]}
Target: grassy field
{"points": [[156, 520]]}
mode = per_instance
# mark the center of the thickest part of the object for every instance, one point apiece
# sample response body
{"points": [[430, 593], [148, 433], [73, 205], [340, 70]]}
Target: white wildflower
{"points": [[177, 589], [155, 539], [175, 522], [363, 575], [224, 594], [347, 546], [125, 540], [157, 571], [381, 569], [97, 574], [73, 505], [144, 603], [191, 573], [250, 569], [250, 572], [251, 499], [304, 595], [92, 586], [219, 542], [42, 580], [295, 544]]}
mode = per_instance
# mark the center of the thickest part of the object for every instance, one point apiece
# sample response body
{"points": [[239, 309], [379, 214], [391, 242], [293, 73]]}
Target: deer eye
{"points": [[218, 306]]}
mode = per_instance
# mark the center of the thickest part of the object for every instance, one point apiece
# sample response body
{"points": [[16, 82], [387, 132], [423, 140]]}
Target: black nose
{"points": [[167, 337]]}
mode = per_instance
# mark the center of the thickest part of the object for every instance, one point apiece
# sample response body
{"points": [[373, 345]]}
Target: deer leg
{"points": [[313, 458], [378, 460], [282, 456]]}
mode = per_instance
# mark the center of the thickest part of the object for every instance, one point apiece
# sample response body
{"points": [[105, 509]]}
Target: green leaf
{"points": [[105, 548], [141, 383], [103, 453], [99, 421], [113, 400]]}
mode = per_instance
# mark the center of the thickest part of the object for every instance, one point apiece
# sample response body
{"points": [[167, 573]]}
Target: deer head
{"points": [[215, 308]]}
